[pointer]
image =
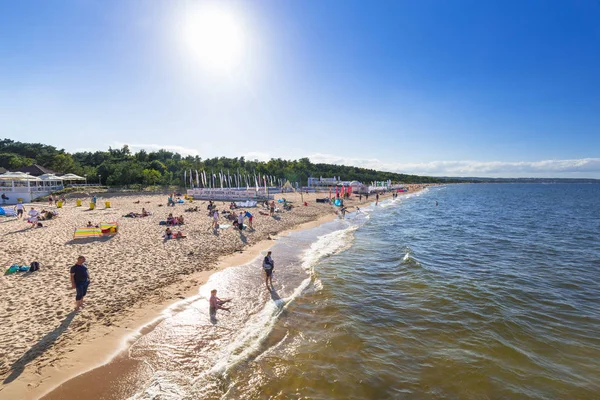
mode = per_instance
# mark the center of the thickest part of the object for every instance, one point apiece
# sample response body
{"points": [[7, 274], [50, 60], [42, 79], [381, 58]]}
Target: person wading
{"points": [[268, 266]]}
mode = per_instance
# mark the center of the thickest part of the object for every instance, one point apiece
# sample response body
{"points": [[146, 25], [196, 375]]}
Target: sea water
{"points": [[475, 291]]}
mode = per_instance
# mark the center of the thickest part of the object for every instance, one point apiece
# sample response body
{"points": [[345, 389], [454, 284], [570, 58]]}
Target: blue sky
{"points": [[460, 88]]}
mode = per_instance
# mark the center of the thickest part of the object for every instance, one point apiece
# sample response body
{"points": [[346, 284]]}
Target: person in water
{"points": [[268, 266], [343, 211], [216, 303]]}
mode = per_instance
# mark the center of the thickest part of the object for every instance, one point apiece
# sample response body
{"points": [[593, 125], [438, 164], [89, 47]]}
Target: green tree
{"points": [[151, 176]]}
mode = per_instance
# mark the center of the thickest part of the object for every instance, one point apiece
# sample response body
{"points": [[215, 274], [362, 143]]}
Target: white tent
{"points": [[288, 185], [18, 176], [72, 177], [51, 177]]}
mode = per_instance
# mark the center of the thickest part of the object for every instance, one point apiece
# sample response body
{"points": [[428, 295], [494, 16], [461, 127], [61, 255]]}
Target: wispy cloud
{"points": [[585, 167]]}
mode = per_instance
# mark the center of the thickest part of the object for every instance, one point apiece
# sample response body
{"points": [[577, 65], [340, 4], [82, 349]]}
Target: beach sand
{"points": [[134, 276]]}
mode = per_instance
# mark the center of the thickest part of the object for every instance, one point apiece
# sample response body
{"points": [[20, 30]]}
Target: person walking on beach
{"points": [[216, 303], [20, 209], [215, 219], [80, 280], [268, 266], [240, 219], [272, 209], [249, 216], [377, 199]]}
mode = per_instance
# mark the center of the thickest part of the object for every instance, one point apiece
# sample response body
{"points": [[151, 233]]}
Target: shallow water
{"points": [[493, 293]]}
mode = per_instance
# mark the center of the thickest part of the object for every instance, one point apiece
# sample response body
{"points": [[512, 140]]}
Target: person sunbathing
{"points": [[168, 234], [144, 212], [179, 235], [180, 220]]}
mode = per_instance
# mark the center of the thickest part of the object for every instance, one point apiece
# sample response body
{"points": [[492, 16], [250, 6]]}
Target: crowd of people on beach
{"points": [[238, 216]]}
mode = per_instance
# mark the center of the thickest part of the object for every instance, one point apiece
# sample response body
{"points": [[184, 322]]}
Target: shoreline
{"points": [[109, 343], [119, 360], [106, 343]]}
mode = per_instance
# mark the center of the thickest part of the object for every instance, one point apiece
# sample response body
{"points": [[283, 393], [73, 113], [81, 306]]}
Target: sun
{"points": [[214, 37]]}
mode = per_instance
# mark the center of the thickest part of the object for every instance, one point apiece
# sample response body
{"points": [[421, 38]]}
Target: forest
{"points": [[123, 168]]}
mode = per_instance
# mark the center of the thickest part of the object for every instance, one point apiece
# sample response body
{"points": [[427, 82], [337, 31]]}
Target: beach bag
{"points": [[34, 266]]}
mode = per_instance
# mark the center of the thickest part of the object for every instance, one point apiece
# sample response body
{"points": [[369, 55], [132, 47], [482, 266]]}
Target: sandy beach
{"points": [[134, 276]]}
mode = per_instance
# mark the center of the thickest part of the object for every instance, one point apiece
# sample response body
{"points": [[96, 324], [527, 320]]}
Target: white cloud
{"points": [[255, 155], [585, 167], [184, 151]]}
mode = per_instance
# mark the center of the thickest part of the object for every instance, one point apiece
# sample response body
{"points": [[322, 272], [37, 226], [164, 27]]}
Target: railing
{"points": [[33, 189]]}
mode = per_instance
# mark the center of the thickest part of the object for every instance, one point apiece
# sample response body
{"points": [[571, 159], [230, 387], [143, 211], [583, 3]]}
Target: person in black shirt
{"points": [[268, 266], [80, 279]]}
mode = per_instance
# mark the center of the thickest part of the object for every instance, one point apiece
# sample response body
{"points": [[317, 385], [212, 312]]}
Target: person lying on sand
{"points": [[144, 212], [216, 303]]}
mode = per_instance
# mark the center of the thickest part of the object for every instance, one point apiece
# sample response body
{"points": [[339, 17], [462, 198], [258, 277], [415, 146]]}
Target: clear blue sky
{"points": [[460, 88]]}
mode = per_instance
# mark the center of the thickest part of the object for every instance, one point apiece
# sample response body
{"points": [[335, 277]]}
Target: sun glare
{"points": [[214, 37]]}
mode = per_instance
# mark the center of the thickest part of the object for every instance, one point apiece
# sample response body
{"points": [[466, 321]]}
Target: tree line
{"points": [[121, 167]]}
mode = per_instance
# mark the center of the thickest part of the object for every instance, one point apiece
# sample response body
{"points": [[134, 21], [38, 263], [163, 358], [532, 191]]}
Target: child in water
{"points": [[216, 303]]}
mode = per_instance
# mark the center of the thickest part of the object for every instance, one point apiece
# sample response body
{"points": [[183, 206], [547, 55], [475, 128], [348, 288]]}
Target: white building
{"points": [[15, 186], [312, 182]]}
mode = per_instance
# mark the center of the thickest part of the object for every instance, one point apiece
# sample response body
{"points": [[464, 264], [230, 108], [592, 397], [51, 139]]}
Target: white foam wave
{"points": [[327, 245], [161, 387], [250, 339]]}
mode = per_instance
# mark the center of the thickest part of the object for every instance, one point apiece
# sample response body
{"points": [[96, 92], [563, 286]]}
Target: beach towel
{"points": [[85, 233], [224, 226], [16, 268], [244, 204], [109, 228], [8, 212]]}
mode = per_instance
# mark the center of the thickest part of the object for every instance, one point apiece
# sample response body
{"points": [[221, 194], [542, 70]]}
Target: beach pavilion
{"points": [[52, 182], [19, 185]]}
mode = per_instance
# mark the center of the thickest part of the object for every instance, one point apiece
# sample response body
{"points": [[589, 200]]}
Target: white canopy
{"points": [[50, 177], [18, 176], [72, 177]]}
